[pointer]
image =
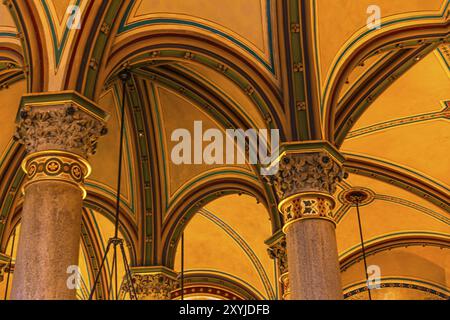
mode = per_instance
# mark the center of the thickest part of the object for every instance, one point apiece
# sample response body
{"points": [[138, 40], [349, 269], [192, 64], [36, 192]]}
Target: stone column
{"points": [[305, 183], [277, 250], [59, 133], [153, 283]]}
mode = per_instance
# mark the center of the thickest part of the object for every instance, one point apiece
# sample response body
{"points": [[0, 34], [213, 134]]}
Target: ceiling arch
{"points": [[396, 33]]}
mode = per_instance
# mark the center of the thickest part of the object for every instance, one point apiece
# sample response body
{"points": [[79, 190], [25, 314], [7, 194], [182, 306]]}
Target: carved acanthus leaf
{"points": [[61, 128], [152, 286], [306, 172]]}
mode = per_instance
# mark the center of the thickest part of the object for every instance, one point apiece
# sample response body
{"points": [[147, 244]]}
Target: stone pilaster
{"points": [[305, 184], [59, 132], [153, 283], [277, 250]]}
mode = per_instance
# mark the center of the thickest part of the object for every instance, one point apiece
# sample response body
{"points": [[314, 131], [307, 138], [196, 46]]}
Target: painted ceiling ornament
{"points": [[60, 128], [361, 195], [307, 172]]}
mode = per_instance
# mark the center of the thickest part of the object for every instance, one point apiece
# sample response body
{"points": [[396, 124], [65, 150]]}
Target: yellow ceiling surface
{"points": [[227, 64]]}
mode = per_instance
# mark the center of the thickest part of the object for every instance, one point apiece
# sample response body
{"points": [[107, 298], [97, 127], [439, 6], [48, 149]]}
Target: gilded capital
{"points": [[61, 121], [59, 131], [153, 284], [306, 181], [59, 128], [307, 172]]}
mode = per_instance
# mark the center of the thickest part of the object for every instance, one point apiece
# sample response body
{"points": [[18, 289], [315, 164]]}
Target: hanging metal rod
{"points": [[124, 76], [357, 198]]}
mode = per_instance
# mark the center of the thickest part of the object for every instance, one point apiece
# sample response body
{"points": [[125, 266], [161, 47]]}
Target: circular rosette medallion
{"points": [[76, 172], [53, 167]]}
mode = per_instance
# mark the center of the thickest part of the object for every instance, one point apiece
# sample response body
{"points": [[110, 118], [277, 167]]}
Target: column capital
{"points": [[63, 121], [308, 167], [153, 283], [306, 180]]}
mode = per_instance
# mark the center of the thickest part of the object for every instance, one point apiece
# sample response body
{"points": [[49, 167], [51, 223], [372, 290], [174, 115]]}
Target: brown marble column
{"points": [[153, 283], [306, 182], [58, 138]]}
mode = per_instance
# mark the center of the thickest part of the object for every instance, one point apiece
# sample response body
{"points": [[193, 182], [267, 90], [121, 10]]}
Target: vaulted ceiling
{"points": [[309, 68]]}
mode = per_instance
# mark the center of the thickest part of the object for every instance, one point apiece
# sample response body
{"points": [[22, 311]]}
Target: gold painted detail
{"points": [[152, 286], [307, 206], [58, 127], [56, 165]]}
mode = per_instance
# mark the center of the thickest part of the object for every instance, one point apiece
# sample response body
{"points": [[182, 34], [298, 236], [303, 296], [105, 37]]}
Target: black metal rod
{"points": [[124, 77], [97, 276], [182, 266], [10, 263], [111, 274], [363, 250], [119, 177], [116, 275]]}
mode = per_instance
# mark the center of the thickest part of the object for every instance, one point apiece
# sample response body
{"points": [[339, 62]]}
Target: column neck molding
{"points": [[56, 165]]}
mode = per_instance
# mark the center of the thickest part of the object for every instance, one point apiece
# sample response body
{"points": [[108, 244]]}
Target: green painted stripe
{"points": [[270, 66]]}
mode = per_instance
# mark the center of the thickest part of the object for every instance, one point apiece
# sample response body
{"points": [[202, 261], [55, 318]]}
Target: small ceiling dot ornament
{"points": [[353, 195]]}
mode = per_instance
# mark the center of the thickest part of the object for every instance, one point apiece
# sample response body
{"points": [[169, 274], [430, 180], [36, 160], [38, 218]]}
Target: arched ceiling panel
{"points": [[410, 147], [385, 217], [176, 112], [238, 250], [418, 268], [58, 8], [9, 106], [424, 89], [233, 92], [383, 188], [251, 36], [348, 17], [232, 254]]}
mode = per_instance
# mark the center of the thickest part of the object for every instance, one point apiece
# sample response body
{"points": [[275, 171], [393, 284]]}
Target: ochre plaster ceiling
{"points": [[227, 65]]}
